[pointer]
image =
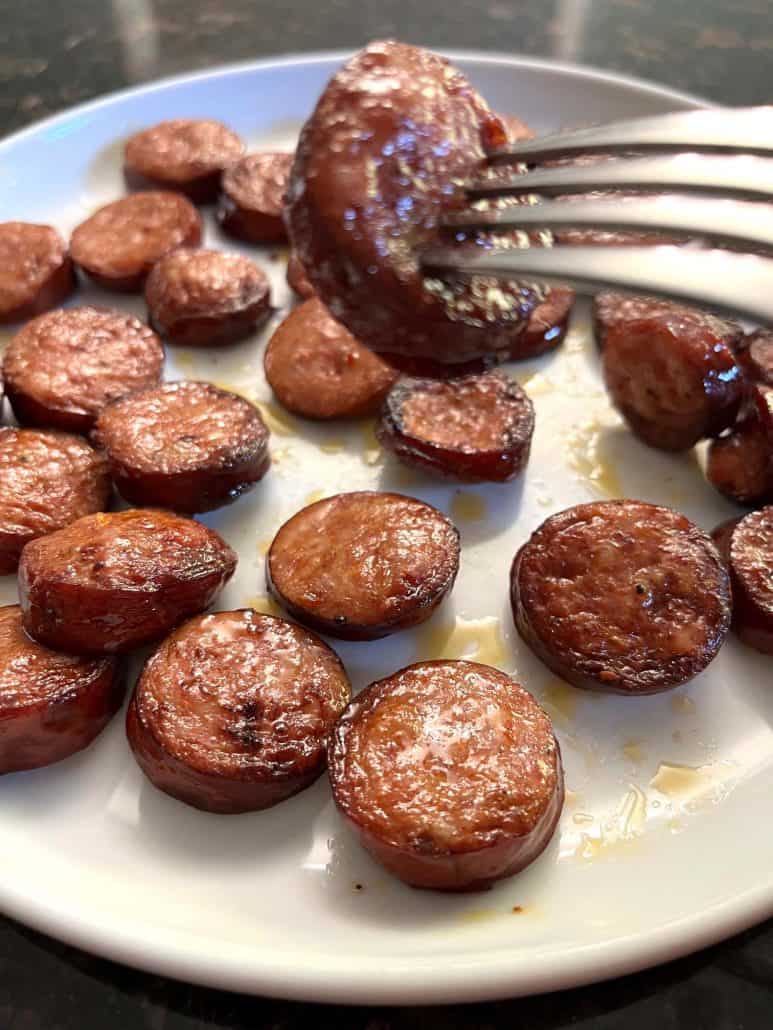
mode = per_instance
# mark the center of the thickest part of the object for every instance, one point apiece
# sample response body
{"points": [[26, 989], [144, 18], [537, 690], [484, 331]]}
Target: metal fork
{"points": [[690, 151]]}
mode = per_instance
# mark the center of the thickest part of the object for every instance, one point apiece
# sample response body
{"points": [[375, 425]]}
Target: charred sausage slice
{"points": [[252, 198], [673, 376], [232, 712], [755, 356], [184, 154], [747, 546], [621, 596], [63, 367], [200, 297], [740, 464], [47, 480], [317, 369], [51, 705], [362, 565], [186, 446], [474, 429], [613, 310], [109, 583], [450, 774], [119, 244], [36, 272]]}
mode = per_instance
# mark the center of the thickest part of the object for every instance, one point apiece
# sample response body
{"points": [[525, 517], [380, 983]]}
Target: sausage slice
{"points": [[317, 369], [184, 154], [755, 356], [621, 596], [297, 279], [63, 367], [673, 376], [516, 128], [232, 712], [740, 464], [200, 297], [47, 480], [474, 429], [747, 546], [185, 446], [119, 244], [252, 198], [362, 565], [450, 774], [612, 310], [51, 705], [36, 272], [108, 583]]}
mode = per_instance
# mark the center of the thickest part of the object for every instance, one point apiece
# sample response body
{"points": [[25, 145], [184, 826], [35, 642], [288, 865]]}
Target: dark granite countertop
{"points": [[53, 55]]}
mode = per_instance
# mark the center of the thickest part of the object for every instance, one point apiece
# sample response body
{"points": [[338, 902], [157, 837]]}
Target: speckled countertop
{"points": [[53, 55]]}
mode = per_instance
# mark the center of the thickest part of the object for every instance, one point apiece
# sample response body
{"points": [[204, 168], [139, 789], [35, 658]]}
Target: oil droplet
{"points": [[406, 477], [560, 699], [263, 546], [582, 817], [332, 446], [676, 736], [682, 704], [479, 640], [589, 847], [185, 360], [313, 497], [264, 604], [571, 798], [467, 507], [675, 824], [238, 390], [371, 448], [278, 421], [537, 384], [632, 817], [633, 750], [683, 781], [478, 915], [584, 458], [544, 500]]}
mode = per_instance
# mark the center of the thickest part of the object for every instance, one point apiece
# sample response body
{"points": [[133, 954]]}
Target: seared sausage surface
{"points": [[119, 244], [740, 464], [747, 546], [362, 565], [395, 116], [474, 429], [36, 272], [51, 705], [621, 596], [47, 480], [109, 583], [297, 279], [613, 310], [63, 367], [184, 154], [755, 356], [673, 376], [232, 712], [450, 774], [186, 446], [200, 297], [252, 198], [317, 369]]}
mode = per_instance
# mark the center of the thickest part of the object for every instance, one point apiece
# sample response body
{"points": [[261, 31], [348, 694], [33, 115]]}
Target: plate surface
{"points": [[646, 864]]}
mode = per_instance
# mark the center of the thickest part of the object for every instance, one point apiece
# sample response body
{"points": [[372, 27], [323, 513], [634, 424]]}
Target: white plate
{"points": [[268, 903]]}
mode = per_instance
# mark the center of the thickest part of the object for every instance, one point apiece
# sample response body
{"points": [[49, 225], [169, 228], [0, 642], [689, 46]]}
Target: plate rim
{"points": [[472, 976]]}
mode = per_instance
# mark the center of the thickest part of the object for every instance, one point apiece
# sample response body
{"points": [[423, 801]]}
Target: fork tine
{"points": [[742, 177], [738, 284], [714, 130], [726, 222]]}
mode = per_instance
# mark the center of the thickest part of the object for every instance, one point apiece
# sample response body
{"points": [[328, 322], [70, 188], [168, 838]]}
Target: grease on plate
{"points": [[634, 751], [264, 604], [334, 446], [585, 457], [560, 699], [372, 453], [684, 782], [278, 421], [468, 507], [479, 640], [682, 704]]}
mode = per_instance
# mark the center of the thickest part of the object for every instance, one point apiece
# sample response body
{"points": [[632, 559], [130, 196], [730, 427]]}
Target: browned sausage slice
{"points": [[62, 368], [395, 116], [119, 244], [362, 565], [613, 310], [317, 369], [673, 376], [252, 198], [108, 583], [740, 464], [747, 546], [187, 446], [297, 279], [474, 429], [51, 705], [185, 154], [233, 711], [755, 356], [200, 297], [450, 774], [47, 480], [621, 596], [36, 272]]}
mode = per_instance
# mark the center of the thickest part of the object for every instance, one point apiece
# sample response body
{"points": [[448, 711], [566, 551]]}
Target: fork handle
{"points": [[718, 130], [736, 284]]}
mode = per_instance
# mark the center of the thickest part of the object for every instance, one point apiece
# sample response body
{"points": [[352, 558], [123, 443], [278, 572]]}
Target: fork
{"points": [[713, 173]]}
